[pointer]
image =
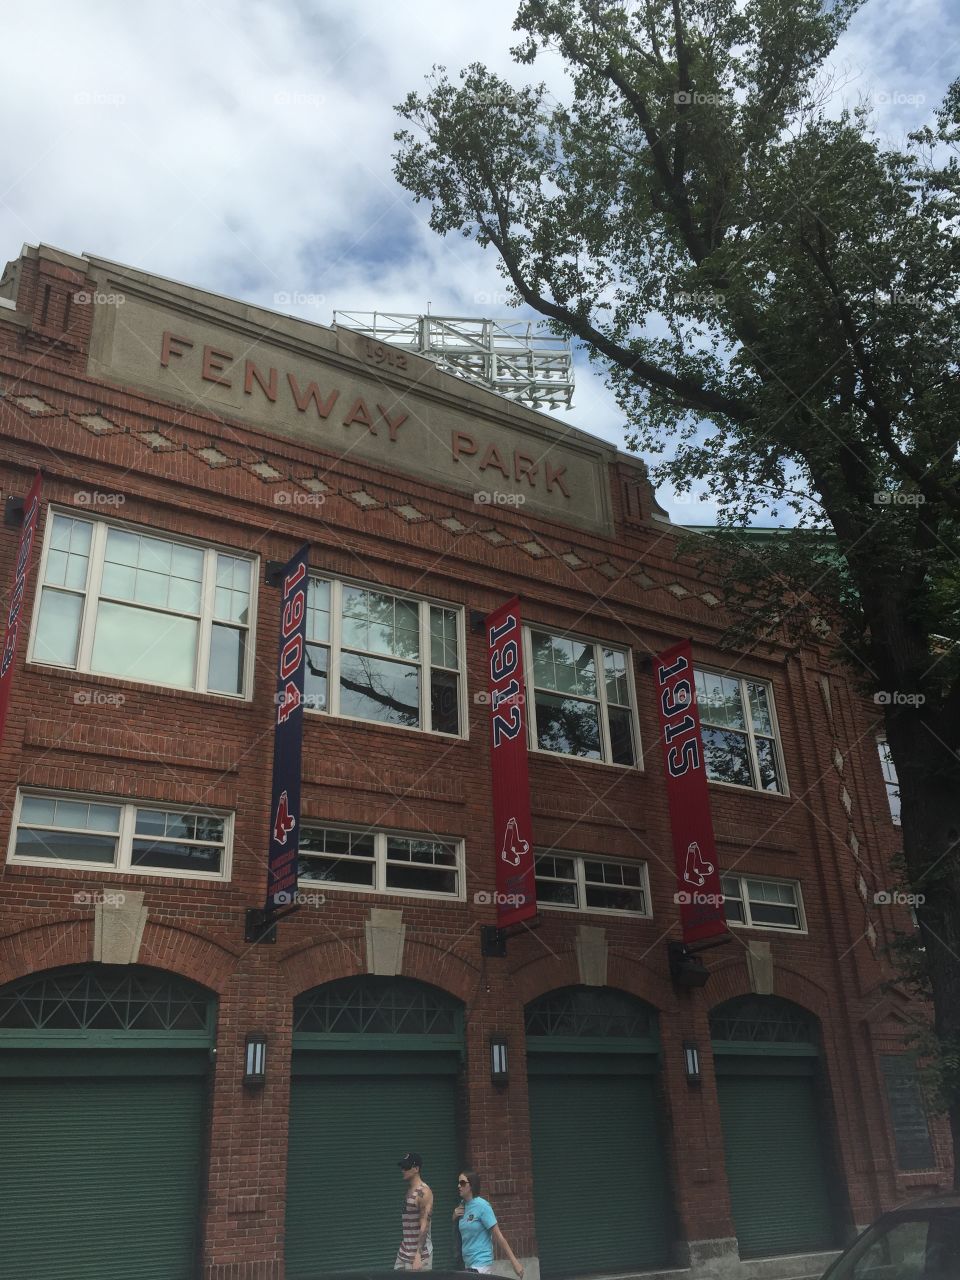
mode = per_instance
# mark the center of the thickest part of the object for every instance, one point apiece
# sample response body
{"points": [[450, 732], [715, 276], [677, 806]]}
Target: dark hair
{"points": [[474, 1179]]}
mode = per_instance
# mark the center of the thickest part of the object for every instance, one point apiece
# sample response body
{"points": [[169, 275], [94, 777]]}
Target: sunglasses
{"points": [[463, 1182]]}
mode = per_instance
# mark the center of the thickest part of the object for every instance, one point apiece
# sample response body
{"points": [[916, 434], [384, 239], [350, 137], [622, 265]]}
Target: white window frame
{"points": [[125, 836], [379, 862], [579, 861], [91, 594], [424, 605], [748, 923], [890, 779], [742, 681], [530, 697]]}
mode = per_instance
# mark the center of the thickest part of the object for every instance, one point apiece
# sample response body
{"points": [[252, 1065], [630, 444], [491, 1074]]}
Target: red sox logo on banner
{"points": [[31, 514], [516, 891], [699, 893], [283, 856]]}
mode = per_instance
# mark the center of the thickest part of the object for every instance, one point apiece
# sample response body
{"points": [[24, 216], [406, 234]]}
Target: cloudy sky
{"points": [[246, 147]]}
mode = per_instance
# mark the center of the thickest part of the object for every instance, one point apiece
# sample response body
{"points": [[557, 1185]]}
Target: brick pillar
{"points": [[248, 1133]]}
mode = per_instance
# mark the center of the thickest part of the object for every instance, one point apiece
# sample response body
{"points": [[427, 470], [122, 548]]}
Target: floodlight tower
{"points": [[508, 356]]}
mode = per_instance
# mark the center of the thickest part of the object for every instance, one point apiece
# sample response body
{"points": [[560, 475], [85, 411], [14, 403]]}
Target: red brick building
{"points": [[187, 441]]}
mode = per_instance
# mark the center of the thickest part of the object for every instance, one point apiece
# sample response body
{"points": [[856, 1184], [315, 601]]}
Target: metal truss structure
{"points": [[508, 356]]}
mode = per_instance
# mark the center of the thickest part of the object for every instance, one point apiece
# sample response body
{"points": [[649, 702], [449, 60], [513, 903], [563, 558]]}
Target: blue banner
{"points": [[283, 858]]}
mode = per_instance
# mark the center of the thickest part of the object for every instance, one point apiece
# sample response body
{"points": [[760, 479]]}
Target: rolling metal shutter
{"points": [[776, 1170], [599, 1177], [352, 1116], [101, 1170]]}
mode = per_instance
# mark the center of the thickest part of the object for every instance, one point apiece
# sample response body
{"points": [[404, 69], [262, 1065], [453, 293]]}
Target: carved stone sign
{"points": [[345, 395]]}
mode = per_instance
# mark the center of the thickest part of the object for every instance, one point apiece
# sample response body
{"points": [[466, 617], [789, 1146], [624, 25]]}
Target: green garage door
{"points": [[778, 1170], [103, 1126], [599, 1175], [359, 1100]]}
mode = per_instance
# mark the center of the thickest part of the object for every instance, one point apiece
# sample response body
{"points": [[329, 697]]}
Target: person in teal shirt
{"points": [[478, 1228]]}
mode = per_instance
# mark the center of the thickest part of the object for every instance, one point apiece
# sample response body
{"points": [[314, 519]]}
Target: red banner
{"points": [[516, 895], [699, 894], [31, 515]]}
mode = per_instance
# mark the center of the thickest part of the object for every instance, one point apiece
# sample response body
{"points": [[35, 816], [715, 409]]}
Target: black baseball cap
{"points": [[411, 1161]]}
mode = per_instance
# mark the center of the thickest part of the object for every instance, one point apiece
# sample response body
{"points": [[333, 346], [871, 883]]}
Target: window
{"points": [[739, 729], [117, 602], [372, 655], [890, 779], [583, 699], [911, 1131], [591, 884], [380, 861], [71, 831], [762, 904]]}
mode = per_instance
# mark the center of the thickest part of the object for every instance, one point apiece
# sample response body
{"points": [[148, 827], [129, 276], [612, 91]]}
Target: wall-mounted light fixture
{"points": [[498, 1060], [691, 1061], [255, 1060]]}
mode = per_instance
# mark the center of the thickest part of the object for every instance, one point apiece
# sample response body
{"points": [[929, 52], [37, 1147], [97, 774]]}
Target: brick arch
{"points": [[424, 961], [70, 942], [552, 972], [732, 979]]}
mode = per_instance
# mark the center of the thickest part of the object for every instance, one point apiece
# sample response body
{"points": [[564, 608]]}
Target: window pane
{"points": [[316, 671], [58, 628], [421, 879], [339, 870], [228, 654], [66, 846], [373, 689], [617, 873], [143, 645], [733, 910], [232, 596], [103, 817], [620, 720], [430, 852], [568, 725], [564, 665], [559, 868], [176, 856], [760, 709], [607, 898], [444, 701], [36, 809], [318, 610], [767, 759], [768, 913], [151, 822], [563, 893], [727, 757], [443, 637], [615, 674], [718, 700], [380, 623]]}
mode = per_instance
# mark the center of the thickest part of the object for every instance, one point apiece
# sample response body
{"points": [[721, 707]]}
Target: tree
{"points": [[773, 292]]}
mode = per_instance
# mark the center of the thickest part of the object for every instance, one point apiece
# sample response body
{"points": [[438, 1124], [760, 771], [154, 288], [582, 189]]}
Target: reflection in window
{"points": [[577, 712], [123, 603], [739, 740], [591, 884]]}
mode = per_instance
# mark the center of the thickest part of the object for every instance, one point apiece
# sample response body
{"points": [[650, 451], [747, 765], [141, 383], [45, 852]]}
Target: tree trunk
{"points": [[929, 776]]}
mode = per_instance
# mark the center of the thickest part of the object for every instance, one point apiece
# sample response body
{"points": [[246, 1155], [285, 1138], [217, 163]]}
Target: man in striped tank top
{"points": [[416, 1247]]}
